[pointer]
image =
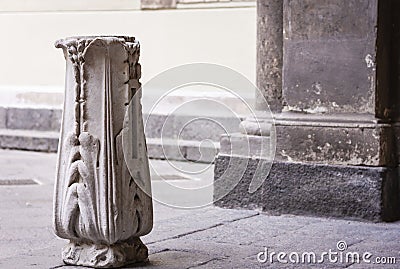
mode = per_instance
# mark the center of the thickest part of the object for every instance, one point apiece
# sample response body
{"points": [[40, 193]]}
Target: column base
{"points": [[352, 192], [334, 165], [103, 256]]}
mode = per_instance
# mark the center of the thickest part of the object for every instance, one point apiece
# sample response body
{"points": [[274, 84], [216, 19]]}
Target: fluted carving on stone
{"points": [[98, 205]]}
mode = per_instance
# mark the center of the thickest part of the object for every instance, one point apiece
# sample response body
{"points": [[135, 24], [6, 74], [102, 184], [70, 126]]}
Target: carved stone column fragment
{"points": [[98, 205]]}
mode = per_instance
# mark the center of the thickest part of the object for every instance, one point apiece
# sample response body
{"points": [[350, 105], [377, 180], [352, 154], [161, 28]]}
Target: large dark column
{"points": [[269, 54], [335, 113]]}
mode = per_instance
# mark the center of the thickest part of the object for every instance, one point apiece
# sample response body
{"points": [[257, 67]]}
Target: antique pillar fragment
{"points": [[99, 205]]}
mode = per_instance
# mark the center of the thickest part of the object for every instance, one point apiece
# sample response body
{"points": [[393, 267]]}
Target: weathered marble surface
{"points": [[98, 205]]}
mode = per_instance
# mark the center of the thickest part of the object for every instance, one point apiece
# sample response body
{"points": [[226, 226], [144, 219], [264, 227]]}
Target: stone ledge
{"points": [[47, 141], [157, 125], [364, 193], [29, 140], [181, 150], [37, 129], [337, 145], [41, 119], [337, 139]]}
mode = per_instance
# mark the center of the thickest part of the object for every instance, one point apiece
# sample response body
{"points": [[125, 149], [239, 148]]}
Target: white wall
{"points": [[62, 5], [168, 38]]}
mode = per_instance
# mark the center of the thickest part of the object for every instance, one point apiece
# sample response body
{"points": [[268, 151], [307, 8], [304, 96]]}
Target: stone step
{"points": [[174, 137], [170, 149], [24, 118], [45, 141], [182, 150], [189, 127], [184, 127]]}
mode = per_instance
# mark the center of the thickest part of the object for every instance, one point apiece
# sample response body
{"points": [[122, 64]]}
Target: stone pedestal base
{"points": [[368, 193], [103, 256], [325, 165]]}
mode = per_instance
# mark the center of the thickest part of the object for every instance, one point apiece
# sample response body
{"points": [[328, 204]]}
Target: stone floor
{"points": [[207, 237]]}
